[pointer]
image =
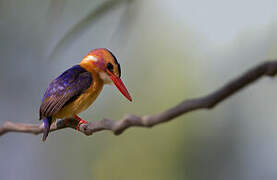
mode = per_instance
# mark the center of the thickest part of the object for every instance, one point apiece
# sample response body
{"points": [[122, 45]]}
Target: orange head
{"points": [[103, 62]]}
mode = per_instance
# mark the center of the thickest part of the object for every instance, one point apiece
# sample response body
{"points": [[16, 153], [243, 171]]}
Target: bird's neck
{"points": [[96, 73], [92, 70], [97, 84]]}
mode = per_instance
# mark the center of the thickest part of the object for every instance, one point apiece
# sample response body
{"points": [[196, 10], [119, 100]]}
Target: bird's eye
{"points": [[110, 67]]}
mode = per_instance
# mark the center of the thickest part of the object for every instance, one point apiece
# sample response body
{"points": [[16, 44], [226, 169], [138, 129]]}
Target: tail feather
{"points": [[47, 124]]}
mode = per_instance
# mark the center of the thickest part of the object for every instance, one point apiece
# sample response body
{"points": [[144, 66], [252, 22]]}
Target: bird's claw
{"points": [[79, 124], [80, 121]]}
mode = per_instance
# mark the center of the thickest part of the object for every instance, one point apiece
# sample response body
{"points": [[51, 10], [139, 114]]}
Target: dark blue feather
{"points": [[47, 123], [68, 85]]}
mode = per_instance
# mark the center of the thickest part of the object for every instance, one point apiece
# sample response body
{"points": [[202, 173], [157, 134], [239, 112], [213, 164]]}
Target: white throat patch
{"points": [[105, 77]]}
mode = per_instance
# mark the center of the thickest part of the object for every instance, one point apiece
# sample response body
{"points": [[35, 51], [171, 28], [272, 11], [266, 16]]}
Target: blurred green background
{"points": [[169, 50]]}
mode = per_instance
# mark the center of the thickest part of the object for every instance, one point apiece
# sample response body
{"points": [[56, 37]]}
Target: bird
{"points": [[78, 87]]}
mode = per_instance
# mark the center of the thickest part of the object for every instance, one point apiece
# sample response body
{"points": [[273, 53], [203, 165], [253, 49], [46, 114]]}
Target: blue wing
{"points": [[64, 89]]}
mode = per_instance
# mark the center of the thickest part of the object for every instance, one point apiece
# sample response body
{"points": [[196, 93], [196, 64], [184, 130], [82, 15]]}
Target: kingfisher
{"points": [[77, 88]]}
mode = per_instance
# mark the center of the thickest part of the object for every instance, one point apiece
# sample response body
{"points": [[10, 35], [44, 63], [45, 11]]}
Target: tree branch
{"points": [[118, 127]]}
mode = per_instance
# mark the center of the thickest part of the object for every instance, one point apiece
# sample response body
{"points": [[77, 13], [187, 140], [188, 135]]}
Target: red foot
{"points": [[80, 121], [66, 121]]}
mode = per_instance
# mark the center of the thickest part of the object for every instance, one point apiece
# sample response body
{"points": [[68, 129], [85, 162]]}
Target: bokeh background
{"points": [[169, 50]]}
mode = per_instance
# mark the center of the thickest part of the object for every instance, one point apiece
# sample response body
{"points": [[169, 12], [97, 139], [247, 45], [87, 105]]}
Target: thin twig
{"points": [[118, 127]]}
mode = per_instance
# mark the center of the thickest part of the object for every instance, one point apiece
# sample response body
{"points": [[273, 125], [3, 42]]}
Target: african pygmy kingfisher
{"points": [[78, 87]]}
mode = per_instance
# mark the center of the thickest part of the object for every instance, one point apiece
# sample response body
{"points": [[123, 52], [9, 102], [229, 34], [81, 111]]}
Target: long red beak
{"points": [[120, 86]]}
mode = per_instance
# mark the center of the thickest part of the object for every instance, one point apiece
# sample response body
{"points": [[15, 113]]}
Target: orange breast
{"points": [[83, 101]]}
